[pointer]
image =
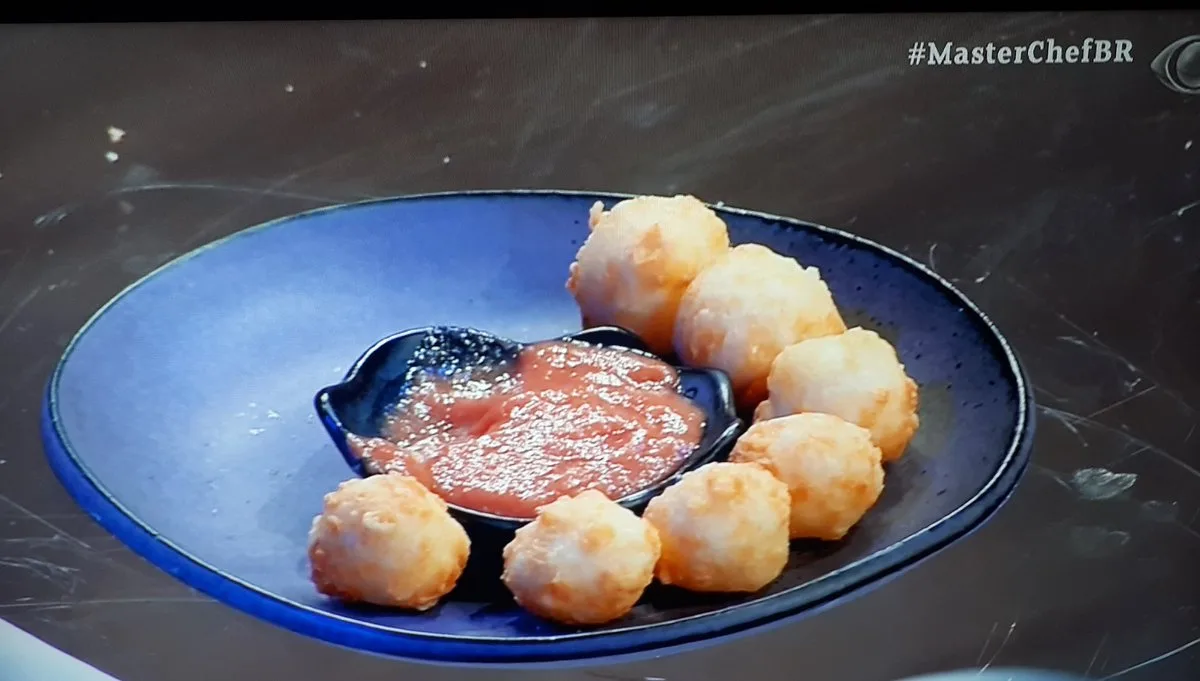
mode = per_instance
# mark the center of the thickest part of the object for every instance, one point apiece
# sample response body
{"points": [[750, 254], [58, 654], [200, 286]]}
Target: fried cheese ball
{"points": [[833, 471], [741, 311], [724, 528], [857, 376], [388, 541], [639, 258], [584, 560]]}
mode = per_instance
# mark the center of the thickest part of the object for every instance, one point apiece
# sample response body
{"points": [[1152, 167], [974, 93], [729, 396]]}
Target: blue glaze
{"points": [[360, 404], [180, 417]]}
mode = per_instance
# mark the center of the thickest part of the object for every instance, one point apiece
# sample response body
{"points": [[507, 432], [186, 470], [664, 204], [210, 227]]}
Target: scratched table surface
{"points": [[1060, 197]]}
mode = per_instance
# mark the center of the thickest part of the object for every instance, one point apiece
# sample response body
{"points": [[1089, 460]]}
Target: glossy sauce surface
{"points": [[564, 417]]}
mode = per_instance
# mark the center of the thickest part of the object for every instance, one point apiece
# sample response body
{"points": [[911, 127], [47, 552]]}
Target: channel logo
{"points": [[1178, 65]]}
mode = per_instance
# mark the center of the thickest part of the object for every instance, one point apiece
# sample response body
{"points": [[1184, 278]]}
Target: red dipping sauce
{"points": [[565, 417]]}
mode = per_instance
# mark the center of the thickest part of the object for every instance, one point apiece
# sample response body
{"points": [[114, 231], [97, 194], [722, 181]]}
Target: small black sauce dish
{"points": [[359, 404]]}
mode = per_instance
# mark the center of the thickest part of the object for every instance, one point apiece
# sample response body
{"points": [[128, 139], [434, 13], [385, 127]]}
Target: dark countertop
{"points": [[1063, 198]]}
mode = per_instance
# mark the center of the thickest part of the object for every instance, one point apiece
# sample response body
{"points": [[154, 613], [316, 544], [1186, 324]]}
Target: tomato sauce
{"points": [[565, 417]]}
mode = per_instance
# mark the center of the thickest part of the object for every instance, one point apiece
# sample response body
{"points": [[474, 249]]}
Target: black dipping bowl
{"points": [[359, 404]]}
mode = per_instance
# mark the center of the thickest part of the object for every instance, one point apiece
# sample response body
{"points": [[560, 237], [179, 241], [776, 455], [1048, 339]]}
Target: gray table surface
{"points": [[1063, 198]]}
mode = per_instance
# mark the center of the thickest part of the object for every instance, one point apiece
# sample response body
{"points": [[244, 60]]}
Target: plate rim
{"points": [[83, 485]]}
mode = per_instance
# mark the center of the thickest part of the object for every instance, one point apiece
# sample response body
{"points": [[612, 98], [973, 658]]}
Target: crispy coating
{"points": [[386, 540], [741, 311], [638, 260], [857, 376], [724, 528], [584, 560], [833, 471]]}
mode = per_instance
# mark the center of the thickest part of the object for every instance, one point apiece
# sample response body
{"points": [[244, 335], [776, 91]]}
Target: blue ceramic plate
{"points": [[181, 416]]}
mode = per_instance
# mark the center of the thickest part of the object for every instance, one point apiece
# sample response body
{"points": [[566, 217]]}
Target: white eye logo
{"points": [[1178, 66]]}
